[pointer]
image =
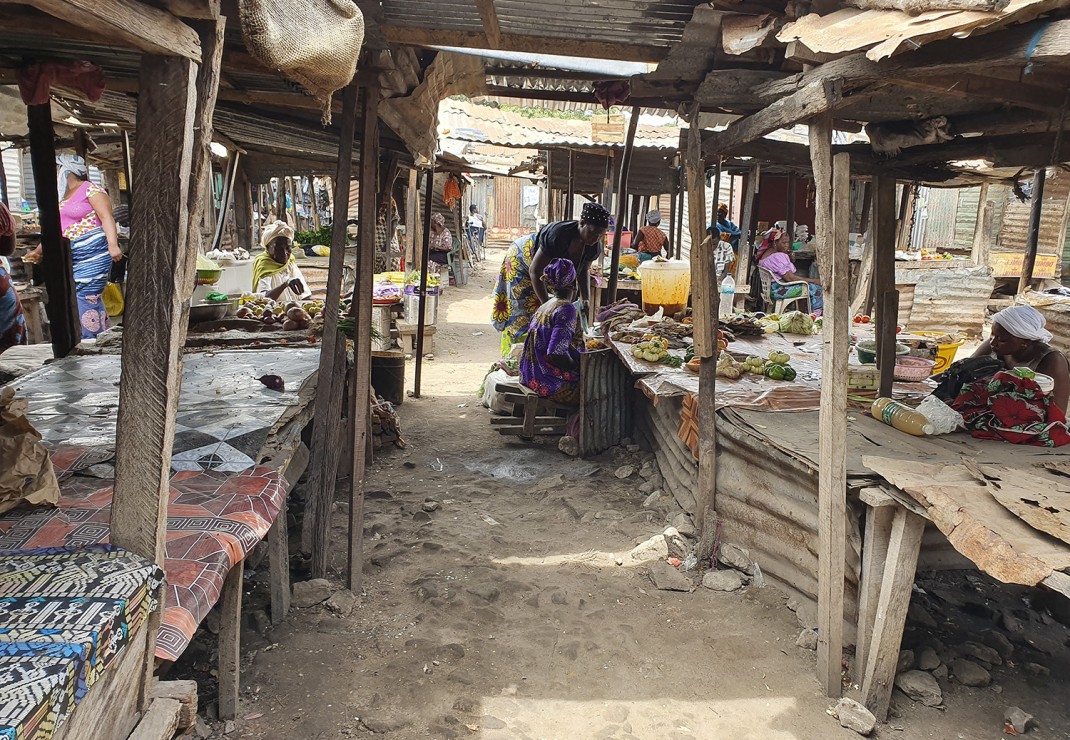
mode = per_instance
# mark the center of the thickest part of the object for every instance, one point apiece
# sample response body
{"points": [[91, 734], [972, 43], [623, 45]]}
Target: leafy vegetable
{"points": [[796, 322]]}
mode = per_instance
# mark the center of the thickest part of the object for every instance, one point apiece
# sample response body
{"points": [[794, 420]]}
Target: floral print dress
{"points": [[515, 301], [555, 331]]}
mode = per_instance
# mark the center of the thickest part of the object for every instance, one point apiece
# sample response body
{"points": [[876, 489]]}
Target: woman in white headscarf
{"points": [[1020, 339], [275, 271]]}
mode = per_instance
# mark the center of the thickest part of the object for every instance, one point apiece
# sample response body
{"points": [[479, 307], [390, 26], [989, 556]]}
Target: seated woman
{"points": [[651, 241], [441, 240], [12, 322], [550, 365], [1020, 339], [275, 271], [773, 256]]}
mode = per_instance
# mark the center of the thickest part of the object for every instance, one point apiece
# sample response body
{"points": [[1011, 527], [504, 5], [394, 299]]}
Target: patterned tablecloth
{"points": [[65, 616], [214, 519]]}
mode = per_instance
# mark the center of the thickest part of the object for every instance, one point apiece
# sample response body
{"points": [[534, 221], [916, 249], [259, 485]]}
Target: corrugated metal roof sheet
{"points": [[1015, 226], [486, 125], [651, 172], [949, 299]]}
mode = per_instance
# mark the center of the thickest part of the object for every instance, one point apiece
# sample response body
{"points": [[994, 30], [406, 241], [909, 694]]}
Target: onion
{"points": [[298, 314], [290, 325]]}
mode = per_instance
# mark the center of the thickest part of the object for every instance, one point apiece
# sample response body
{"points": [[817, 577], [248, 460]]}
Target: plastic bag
{"points": [[113, 300]]}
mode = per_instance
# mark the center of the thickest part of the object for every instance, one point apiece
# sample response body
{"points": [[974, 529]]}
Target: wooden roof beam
{"points": [[489, 15], [978, 87], [523, 43], [821, 96], [142, 26], [204, 10]]}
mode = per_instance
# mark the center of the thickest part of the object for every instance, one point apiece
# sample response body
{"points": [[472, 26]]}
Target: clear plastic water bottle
{"points": [[728, 297]]}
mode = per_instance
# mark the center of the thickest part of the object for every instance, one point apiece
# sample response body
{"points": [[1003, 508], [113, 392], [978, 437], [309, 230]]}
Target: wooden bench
{"points": [[407, 335], [532, 415]]}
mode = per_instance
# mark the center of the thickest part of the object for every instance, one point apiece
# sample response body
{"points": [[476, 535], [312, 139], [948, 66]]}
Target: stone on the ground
{"points": [[682, 523], [550, 482], [981, 652], [430, 506], [569, 445], [807, 639], [201, 729], [679, 546], [667, 578], [1037, 669], [421, 516], [806, 615], [1011, 623], [998, 642], [1019, 719], [722, 580], [906, 661], [486, 591], [260, 621], [310, 593], [969, 673], [559, 597], [652, 499], [854, 716], [646, 472], [381, 724], [646, 487], [940, 671], [342, 602], [625, 471], [921, 687], [655, 548], [735, 556], [928, 660], [230, 727]]}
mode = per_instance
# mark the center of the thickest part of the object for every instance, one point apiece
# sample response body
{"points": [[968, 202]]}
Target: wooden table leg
{"points": [[279, 567], [230, 643], [882, 655], [879, 514]]}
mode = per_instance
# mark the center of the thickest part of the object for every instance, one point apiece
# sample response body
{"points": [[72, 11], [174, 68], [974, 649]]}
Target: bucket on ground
{"points": [[388, 376], [945, 353], [666, 285]]}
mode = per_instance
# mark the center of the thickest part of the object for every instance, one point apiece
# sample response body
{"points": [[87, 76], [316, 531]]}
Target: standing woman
{"points": [[86, 220], [520, 290]]}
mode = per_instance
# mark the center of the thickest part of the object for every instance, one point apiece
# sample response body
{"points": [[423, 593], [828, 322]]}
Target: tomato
{"points": [[865, 319]]}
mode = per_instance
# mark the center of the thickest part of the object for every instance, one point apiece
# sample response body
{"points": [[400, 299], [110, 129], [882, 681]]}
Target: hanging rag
{"points": [[36, 80], [612, 92], [451, 193]]}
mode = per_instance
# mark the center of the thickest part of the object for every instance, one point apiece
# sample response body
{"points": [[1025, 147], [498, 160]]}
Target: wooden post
{"points": [[551, 206], [1033, 235], [128, 165], [3, 184], [425, 258], [670, 248], [906, 217], [882, 251], [243, 210], [703, 288], [570, 193], [715, 235], [412, 209], [228, 198], [315, 203], [750, 197], [230, 640], [360, 386], [867, 206], [280, 199], [680, 215], [832, 177], [327, 423], [56, 264], [790, 218], [983, 227], [622, 200]]}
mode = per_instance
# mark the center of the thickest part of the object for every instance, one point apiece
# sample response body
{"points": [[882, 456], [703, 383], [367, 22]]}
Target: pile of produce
{"points": [[927, 255], [291, 316], [655, 349], [776, 367], [593, 345], [796, 322], [744, 325], [728, 367]]}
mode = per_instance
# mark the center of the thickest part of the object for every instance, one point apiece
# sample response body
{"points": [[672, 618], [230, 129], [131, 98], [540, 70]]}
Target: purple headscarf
{"points": [[559, 274]]}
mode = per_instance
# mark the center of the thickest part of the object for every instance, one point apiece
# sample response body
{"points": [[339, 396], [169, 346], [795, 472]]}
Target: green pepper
{"points": [[779, 371]]}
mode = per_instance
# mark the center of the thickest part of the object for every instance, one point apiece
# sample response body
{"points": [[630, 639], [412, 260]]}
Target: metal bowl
{"points": [[207, 312]]}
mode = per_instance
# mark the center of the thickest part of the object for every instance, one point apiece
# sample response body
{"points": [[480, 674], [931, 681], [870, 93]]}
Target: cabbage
{"points": [[796, 322]]}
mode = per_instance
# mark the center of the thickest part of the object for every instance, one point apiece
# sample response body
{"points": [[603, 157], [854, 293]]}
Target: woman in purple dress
{"points": [[550, 365]]}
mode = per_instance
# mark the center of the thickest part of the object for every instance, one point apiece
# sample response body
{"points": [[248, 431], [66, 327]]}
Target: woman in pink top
{"points": [[86, 220], [773, 256]]}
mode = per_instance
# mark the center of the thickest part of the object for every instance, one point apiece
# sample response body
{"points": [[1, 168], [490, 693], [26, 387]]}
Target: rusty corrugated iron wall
{"points": [[1014, 229]]}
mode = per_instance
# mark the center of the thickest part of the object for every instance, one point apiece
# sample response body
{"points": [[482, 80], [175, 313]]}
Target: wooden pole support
{"points": [[327, 424], [622, 203], [425, 258], [1033, 235], [702, 293], [360, 387], [750, 197], [882, 250]]}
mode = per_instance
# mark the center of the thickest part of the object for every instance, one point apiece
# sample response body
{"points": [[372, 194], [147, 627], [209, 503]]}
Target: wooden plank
{"points": [[204, 10], [818, 97], [279, 541], [977, 87], [56, 264], [110, 708], [230, 642], [874, 559], [360, 386], [982, 230], [743, 257], [327, 422], [622, 188], [489, 16], [882, 247], [1058, 581], [702, 302], [185, 693], [882, 656], [142, 26], [536, 44], [832, 184], [160, 721], [425, 251]]}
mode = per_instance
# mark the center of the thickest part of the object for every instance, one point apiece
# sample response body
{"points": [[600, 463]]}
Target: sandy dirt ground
{"points": [[470, 626]]}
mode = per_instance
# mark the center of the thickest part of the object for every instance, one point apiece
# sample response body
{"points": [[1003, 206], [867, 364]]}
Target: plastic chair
{"points": [[779, 305]]}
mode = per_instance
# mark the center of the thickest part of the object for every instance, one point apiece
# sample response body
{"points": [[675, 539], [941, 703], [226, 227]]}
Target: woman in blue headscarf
{"points": [[550, 365]]}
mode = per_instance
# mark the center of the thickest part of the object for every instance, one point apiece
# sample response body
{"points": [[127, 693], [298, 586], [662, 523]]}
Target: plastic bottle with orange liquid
{"points": [[903, 418]]}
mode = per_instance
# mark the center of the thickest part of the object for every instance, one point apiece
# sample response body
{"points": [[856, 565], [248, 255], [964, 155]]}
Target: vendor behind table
{"points": [[275, 270], [773, 256], [651, 241], [441, 241]]}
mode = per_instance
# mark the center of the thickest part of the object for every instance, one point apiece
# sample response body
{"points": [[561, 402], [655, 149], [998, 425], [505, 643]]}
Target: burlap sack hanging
{"points": [[313, 42]]}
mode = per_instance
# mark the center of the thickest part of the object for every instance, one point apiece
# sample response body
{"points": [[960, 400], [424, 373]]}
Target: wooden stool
{"points": [[409, 331], [531, 414]]}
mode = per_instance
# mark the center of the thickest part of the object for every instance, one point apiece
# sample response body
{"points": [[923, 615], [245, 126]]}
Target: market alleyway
{"points": [[464, 632]]}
